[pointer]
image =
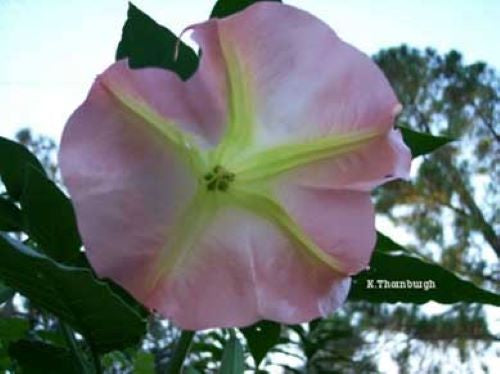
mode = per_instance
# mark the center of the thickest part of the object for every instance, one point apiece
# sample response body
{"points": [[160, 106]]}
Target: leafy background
{"points": [[56, 316]]}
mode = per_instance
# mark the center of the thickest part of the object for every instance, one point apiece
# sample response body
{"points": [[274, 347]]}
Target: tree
{"points": [[448, 207], [459, 183]]}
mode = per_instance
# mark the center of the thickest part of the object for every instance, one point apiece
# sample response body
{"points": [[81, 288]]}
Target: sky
{"points": [[51, 50]]}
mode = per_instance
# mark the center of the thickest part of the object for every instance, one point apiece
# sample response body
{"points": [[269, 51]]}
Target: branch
{"points": [[466, 198]]}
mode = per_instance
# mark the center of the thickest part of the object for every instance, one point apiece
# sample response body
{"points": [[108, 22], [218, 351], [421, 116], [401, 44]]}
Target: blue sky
{"points": [[51, 50]]}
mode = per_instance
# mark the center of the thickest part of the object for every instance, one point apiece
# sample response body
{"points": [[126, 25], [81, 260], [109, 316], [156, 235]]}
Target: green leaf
{"points": [[51, 337], [40, 358], [5, 361], [386, 244], [10, 216], [50, 219], [421, 143], [147, 44], [12, 329], [261, 337], [72, 294], [14, 158], [180, 351], [191, 370], [127, 298], [224, 8], [233, 359], [416, 281], [144, 363], [5, 293]]}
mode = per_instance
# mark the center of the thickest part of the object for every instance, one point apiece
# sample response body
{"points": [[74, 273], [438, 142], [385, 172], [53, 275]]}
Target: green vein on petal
{"points": [[239, 131], [268, 208], [183, 235], [182, 142], [282, 158]]}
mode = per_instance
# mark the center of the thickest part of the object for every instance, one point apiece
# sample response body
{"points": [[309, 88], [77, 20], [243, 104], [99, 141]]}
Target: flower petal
{"points": [[384, 159], [128, 184], [243, 269], [132, 156], [284, 108], [160, 95], [341, 222], [280, 50]]}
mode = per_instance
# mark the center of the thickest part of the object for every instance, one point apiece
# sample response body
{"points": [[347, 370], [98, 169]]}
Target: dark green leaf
{"points": [[233, 359], [421, 143], [180, 351], [224, 8], [5, 293], [40, 358], [50, 219], [73, 295], [51, 337], [261, 337], [127, 298], [14, 158], [10, 216], [314, 324], [147, 44], [386, 244], [12, 329], [412, 276], [191, 370], [5, 361]]}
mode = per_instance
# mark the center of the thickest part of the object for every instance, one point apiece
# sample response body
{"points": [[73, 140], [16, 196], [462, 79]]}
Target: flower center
{"points": [[218, 179]]}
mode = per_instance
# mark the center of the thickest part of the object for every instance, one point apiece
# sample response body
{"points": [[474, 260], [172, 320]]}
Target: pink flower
{"points": [[243, 193]]}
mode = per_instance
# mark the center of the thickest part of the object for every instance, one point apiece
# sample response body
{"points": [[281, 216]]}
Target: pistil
{"points": [[218, 179]]}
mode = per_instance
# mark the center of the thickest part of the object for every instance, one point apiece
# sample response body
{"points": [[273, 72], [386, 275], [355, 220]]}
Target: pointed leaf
{"points": [[233, 359], [14, 158], [10, 216], [386, 244], [261, 337], [147, 44], [394, 276], [50, 219], [421, 143], [73, 295], [224, 8]]}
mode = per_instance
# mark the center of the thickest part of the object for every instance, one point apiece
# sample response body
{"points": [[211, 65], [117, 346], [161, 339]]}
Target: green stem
{"points": [[180, 352], [96, 360], [73, 347]]}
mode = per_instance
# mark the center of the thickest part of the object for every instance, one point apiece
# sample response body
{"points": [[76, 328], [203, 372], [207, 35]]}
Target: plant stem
{"points": [[180, 352], [73, 347], [96, 360]]}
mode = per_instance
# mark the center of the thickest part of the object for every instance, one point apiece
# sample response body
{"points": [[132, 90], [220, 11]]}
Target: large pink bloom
{"points": [[243, 193]]}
